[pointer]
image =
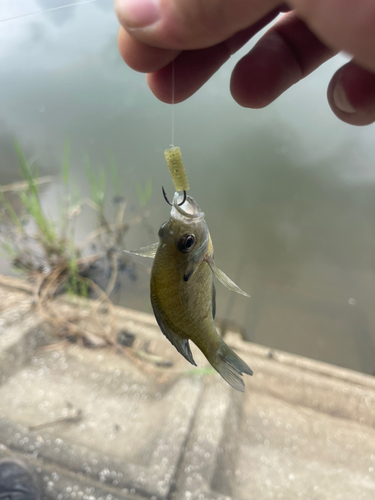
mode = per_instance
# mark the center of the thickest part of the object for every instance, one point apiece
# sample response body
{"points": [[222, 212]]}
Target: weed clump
{"points": [[52, 260]]}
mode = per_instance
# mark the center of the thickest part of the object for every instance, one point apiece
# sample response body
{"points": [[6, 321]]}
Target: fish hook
{"points": [[169, 203]]}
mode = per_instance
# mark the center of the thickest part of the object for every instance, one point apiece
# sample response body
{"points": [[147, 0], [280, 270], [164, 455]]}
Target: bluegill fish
{"points": [[183, 292]]}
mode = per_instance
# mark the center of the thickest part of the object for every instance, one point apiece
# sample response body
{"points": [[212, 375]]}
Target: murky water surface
{"points": [[288, 191]]}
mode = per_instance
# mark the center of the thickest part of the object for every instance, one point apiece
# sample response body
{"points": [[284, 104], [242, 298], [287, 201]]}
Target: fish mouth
{"points": [[190, 211]]}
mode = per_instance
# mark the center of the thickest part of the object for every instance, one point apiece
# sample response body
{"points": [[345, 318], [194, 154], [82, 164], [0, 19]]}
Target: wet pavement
{"points": [[103, 424]]}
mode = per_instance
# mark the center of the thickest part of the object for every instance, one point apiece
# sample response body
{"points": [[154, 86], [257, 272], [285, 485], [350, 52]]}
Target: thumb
{"points": [[188, 24]]}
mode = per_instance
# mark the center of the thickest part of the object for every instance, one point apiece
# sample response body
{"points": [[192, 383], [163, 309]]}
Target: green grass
{"points": [[200, 371], [56, 248], [53, 245], [144, 193], [11, 212], [30, 199], [97, 182], [114, 174]]}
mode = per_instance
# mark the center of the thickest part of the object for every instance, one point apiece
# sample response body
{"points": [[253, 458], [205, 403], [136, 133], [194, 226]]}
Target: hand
{"points": [[200, 35]]}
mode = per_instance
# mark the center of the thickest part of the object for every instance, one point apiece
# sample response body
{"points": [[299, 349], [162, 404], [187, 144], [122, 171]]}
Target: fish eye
{"points": [[186, 243]]}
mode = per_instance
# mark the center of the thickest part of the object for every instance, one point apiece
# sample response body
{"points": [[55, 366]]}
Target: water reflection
{"points": [[288, 191], [303, 241]]}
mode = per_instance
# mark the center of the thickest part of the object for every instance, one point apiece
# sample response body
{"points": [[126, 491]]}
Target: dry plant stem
{"points": [[37, 287], [90, 203], [75, 325], [59, 345], [102, 296], [76, 416], [51, 281], [114, 274], [75, 210], [118, 221], [120, 213], [94, 330], [115, 228], [21, 285], [24, 185], [90, 259], [99, 231], [91, 325], [46, 291]]}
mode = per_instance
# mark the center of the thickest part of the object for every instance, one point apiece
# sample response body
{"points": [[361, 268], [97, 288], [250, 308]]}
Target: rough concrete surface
{"points": [[101, 424]]}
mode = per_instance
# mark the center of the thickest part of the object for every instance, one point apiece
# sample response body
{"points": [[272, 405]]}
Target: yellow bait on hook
{"points": [[176, 168]]}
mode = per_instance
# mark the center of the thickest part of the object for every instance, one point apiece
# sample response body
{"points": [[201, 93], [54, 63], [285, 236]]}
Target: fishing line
{"points": [[48, 10], [173, 156], [172, 145]]}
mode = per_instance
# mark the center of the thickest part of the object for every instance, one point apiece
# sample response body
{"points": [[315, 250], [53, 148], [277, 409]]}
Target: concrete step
{"points": [[103, 424]]}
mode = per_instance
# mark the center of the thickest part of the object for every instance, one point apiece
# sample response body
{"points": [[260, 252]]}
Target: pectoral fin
{"points": [[182, 345], [149, 251], [223, 278]]}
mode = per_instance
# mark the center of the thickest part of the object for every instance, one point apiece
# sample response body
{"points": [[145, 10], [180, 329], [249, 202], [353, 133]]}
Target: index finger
{"points": [[189, 24], [193, 68]]}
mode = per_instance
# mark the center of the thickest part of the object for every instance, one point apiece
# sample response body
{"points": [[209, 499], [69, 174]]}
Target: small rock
{"points": [[125, 338]]}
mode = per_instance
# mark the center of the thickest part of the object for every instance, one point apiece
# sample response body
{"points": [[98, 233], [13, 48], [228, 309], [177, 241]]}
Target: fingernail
{"points": [[138, 13], [340, 99]]}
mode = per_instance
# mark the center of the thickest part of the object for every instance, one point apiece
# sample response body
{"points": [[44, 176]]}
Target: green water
{"points": [[288, 191]]}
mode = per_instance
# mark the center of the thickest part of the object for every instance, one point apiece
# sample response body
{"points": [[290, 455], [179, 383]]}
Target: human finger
{"points": [[351, 94], [192, 68], [142, 57], [342, 25], [288, 52], [189, 24]]}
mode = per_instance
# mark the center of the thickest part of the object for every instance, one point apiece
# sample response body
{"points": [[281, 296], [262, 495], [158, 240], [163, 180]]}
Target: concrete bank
{"points": [[105, 424]]}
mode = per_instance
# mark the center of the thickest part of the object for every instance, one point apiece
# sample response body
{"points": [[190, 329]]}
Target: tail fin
{"points": [[231, 367]]}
